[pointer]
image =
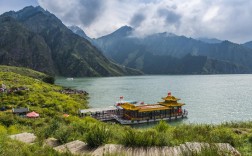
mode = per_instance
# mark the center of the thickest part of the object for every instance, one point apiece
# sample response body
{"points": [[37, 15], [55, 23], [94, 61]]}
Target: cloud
{"points": [[170, 16], [89, 10], [137, 19], [83, 12], [226, 19]]}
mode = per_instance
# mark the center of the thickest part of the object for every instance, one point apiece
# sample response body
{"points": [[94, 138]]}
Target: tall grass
{"points": [[150, 137], [207, 151], [98, 135]]}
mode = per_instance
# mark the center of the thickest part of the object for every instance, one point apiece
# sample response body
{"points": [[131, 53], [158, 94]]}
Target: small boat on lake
{"points": [[128, 113], [122, 101], [70, 78]]}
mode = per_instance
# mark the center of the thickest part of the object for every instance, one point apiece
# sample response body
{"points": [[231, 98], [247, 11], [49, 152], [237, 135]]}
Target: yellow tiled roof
{"points": [[153, 107]]}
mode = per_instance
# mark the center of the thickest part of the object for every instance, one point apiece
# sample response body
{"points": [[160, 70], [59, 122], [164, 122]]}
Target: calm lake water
{"points": [[208, 98]]}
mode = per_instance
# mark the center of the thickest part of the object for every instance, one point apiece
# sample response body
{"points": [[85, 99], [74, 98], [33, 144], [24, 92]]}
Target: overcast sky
{"points": [[222, 19]]}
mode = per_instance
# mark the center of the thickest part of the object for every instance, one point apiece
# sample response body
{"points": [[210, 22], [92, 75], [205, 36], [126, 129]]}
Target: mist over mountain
{"points": [[37, 39], [209, 40], [77, 30], [159, 53]]}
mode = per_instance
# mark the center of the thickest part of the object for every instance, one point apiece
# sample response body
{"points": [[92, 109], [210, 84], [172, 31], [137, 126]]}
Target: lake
{"points": [[208, 98]]}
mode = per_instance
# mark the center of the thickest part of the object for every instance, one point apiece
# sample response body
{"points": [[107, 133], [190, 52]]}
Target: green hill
{"points": [[27, 72], [26, 91], [25, 88]]}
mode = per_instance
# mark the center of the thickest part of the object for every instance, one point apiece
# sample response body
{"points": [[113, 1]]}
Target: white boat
{"points": [[70, 78]]}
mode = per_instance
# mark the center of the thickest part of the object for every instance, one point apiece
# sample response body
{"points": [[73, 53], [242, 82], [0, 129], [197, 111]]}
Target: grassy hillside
{"points": [[27, 72], [24, 91], [25, 88], [23, 71]]}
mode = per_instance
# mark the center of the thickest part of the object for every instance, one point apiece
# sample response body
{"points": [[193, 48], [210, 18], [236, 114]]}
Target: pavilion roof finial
{"points": [[169, 93]]}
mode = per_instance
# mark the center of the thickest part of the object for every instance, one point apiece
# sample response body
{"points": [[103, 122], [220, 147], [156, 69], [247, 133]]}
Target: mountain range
{"points": [[167, 53], [37, 39]]}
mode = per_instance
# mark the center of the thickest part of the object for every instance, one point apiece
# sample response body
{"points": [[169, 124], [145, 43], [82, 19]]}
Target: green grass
{"points": [[11, 147], [27, 72], [41, 97]]}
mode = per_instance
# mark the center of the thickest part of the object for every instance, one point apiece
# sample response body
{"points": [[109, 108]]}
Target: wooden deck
{"points": [[102, 114]]}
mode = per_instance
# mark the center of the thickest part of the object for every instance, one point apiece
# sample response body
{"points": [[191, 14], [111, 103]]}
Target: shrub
{"points": [[7, 119], [3, 130], [63, 133], [148, 138], [208, 151], [13, 129], [129, 138], [162, 126], [223, 135], [162, 139], [98, 135], [49, 79], [50, 130], [144, 138], [250, 138]]}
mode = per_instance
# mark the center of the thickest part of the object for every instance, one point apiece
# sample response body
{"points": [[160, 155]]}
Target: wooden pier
{"points": [[102, 114]]}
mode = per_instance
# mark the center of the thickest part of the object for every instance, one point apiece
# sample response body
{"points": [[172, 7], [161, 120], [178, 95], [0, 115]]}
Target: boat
{"points": [[70, 78], [133, 112], [122, 101], [168, 109]]}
